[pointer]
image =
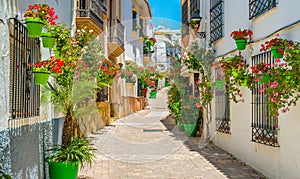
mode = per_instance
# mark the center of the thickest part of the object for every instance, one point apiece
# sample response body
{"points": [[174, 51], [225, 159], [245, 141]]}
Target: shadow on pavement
{"points": [[222, 160]]}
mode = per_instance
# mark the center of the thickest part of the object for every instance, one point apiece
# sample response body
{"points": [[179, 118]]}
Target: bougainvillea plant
{"points": [[241, 34], [42, 11]]}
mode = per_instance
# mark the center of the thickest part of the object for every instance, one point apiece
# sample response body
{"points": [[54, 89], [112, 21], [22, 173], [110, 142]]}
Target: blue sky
{"points": [[167, 12]]}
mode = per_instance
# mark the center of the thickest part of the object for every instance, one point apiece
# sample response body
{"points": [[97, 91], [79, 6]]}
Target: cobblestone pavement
{"points": [[148, 144]]}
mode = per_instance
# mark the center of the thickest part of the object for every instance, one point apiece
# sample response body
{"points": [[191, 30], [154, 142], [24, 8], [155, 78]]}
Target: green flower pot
{"points": [[153, 94], [40, 77], [190, 129], [167, 84], [48, 40], [180, 126], [276, 53], [264, 79], [57, 55], [34, 26], [229, 58], [219, 84], [241, 44], [63, 170]]}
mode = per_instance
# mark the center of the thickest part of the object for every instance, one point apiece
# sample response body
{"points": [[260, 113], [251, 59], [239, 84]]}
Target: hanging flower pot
{"points": [[264, 79], [153, 95], [219, 84], [56, 52], [34, 26], [229, 58], [241, 44], [48, 39], [167, 84], [41, 76], [276, 51]]}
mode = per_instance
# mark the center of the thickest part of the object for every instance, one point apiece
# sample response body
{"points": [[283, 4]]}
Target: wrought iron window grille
{"points": [[263, 130], [222, 108], [216, 20], [259, 7], [24, 96]]}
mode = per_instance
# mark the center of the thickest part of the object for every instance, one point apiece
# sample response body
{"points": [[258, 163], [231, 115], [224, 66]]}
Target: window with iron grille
{"points": [[142, 27], [259, 7], [196, 80], [263, 125], [222, 107], [102, 95], [184, 19], [134, 16], [24, 95], [216, 19], [195, 5]]}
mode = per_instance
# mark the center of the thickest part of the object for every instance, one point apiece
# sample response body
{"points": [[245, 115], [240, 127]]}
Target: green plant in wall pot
{"points": [[64, 161]]}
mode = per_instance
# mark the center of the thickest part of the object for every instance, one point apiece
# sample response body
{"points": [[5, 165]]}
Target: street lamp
{"points": [[195, 23]]}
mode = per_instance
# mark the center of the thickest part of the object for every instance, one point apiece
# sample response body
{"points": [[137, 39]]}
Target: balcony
{"points": [[115, 38], [104, 10], [89, 13]]}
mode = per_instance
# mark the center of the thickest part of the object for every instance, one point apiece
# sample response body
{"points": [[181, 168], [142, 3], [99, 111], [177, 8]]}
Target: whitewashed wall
{"points": [[274, 162], [133, 47]]}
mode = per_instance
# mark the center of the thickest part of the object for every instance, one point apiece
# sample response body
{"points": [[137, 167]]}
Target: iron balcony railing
{"points": [[259, 7], [116, 31], [103, 7], [92, 9]]}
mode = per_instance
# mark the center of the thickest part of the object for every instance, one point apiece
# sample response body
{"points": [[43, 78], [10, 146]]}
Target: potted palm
{"points": [[72, 92], [64, 161]]}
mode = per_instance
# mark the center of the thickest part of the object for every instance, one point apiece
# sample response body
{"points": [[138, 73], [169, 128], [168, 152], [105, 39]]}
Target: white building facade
{"points": [[273, 152]]}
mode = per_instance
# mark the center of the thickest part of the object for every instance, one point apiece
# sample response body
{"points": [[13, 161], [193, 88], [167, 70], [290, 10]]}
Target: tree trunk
{"points": [[68, 129]]}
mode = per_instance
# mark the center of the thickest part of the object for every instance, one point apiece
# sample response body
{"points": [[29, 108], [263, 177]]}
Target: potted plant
{"points": [[241, 37], [277, 45], [43, 69], [53, 31], [190, 113], [36, 16], [3, 175], [65, 160], [72, 92], [107, 73]]}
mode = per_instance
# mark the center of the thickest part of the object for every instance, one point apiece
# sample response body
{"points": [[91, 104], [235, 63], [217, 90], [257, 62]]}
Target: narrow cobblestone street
{"points": [[147, 144]]}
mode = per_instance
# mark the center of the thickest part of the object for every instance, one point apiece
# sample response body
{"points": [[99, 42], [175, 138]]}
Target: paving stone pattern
{"points": [[148, 144]]}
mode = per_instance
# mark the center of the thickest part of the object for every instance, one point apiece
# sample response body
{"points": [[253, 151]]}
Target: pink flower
{"points": [[275, 94], [273, 84], [277, 60], [273, 100]]}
